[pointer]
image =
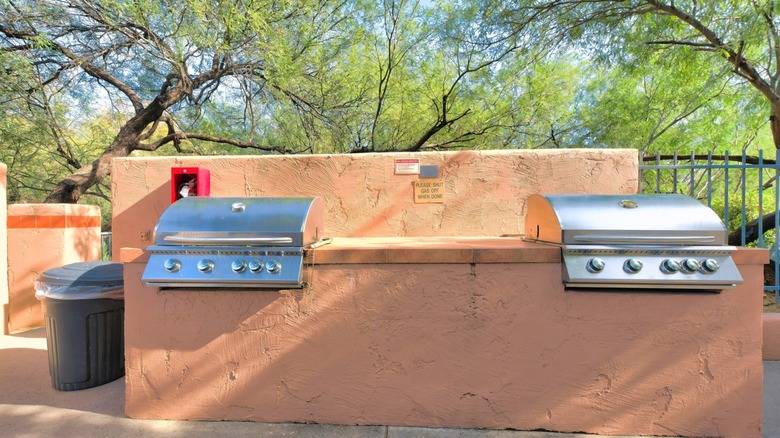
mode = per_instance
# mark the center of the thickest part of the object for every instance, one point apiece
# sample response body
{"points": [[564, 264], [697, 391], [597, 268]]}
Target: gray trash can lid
{"points": [[85, 274]]}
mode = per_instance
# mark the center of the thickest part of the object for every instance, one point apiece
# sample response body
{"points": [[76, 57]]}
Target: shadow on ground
{"points": [[26, 381]]}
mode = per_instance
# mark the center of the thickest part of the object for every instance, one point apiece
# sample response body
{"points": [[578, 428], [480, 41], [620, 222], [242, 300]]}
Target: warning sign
{"points": [[407, 166], [429, 191]]}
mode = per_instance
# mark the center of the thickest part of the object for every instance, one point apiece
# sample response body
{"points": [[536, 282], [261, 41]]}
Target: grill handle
{"points": [[628, 240], [228, 240]]}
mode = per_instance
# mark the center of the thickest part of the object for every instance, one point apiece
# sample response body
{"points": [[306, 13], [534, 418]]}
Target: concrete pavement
{"points": [[30, 407]]}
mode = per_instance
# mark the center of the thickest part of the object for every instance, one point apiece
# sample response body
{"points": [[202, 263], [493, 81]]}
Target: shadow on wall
{"points": [[46, 236], [485, 190], [86, 242], [453, 352], [127, 221]]}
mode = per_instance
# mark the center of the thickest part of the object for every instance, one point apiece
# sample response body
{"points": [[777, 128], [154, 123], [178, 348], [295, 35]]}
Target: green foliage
{"points": [[311, 76]]}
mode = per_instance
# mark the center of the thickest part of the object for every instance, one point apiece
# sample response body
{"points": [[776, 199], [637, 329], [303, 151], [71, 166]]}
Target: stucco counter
{"points": [[448, 332]]}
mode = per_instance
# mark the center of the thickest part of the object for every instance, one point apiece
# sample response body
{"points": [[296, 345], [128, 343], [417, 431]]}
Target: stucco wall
{"points": [[424, 338], [771, 344], [3, 248], [485, 190], [471, 345], [40, 237]]}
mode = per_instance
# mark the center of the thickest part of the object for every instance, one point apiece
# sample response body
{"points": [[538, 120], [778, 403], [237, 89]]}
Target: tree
{"points": [[268, 77], [158, 57], [664, 104], [311, 76], [442, 76], [741, 37]]}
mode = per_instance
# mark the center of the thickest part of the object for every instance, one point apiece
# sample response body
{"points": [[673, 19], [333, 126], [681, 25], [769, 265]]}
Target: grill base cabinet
{"points": [[456, 333]]}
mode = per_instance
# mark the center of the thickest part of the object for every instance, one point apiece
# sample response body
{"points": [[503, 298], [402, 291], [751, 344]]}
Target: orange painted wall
{"points": [[40, 237], [771, 344], [483, 345], [411, 341], [485, 190], [3, 247]]}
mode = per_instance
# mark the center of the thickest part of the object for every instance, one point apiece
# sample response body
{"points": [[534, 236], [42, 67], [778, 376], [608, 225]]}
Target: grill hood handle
{"points": [[201, 240], [606, 239]]}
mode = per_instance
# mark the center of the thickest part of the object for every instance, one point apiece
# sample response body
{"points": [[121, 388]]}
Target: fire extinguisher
{"points": [[188, 188]]}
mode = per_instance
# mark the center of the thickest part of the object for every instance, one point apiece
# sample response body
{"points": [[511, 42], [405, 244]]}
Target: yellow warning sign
{"points": [[429, 191]]}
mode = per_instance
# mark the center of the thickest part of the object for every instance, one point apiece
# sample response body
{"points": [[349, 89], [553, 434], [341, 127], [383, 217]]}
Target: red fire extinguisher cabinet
{"points": [[189, 181]]}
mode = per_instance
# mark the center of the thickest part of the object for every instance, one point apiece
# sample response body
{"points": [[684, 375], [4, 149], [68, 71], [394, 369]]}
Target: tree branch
{"points": [[742, 67], [214, 139], [77, 61], [767, 222], [681, 43]]}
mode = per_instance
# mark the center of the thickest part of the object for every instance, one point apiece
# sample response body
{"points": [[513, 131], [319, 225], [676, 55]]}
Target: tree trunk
{"points": [[69, 190], [751, 229], [774, 125]]}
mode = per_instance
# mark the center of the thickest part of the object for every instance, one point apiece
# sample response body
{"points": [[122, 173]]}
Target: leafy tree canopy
{"points": [[86, 81]]}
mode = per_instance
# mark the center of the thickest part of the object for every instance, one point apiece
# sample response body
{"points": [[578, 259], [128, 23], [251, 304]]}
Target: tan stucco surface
{"points": [[485, 191], [3, 247], [490, 345], [40, 237], [430, 330], [771, 344]]}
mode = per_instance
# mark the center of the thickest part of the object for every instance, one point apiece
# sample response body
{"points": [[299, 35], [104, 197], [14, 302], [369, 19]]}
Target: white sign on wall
{"points": [[407, 166]]}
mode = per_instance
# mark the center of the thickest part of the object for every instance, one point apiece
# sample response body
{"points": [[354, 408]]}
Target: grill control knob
{"points": [[710, 265], [273, 266], [690, 265], [632, 266], [238, 266], [670, 266], [255, 266], [595, 265], [205, 265], [172, 265]]}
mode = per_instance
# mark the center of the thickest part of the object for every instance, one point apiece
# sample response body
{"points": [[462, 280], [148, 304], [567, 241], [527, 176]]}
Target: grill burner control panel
{"points": [[667, 266], [279, 269], [693, 268]]}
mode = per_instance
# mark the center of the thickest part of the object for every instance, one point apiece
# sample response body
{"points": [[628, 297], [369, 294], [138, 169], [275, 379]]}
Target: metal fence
{"points": [[742, 189], [105, 246]]}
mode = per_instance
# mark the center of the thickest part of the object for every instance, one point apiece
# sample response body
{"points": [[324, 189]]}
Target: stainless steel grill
{"points": [[234, 242], [634, 241]]}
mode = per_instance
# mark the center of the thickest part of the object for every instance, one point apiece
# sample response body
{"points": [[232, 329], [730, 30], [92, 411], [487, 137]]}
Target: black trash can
{"points": [[84, 312]]}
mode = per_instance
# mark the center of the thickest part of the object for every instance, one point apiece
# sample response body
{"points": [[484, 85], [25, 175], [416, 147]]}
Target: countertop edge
{"points": [[422, 250], [439, 250]]}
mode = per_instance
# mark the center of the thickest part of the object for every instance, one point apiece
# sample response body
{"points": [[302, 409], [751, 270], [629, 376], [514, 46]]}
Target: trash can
{"points": [[83, 310]]}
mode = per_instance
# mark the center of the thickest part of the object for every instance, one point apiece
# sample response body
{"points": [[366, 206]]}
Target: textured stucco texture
{"points": [[485, 191], [463, 345], [430, 330], [3, 247], [771, 345], [41, 237]]}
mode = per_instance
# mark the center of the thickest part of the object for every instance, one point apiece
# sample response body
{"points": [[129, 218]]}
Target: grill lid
{"points": [[623, 219], [234, 242], [206, 221], [634, 241]]}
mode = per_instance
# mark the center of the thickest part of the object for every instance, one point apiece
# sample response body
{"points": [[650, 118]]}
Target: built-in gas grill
{"points": [[634, 241], [234, 242]]}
